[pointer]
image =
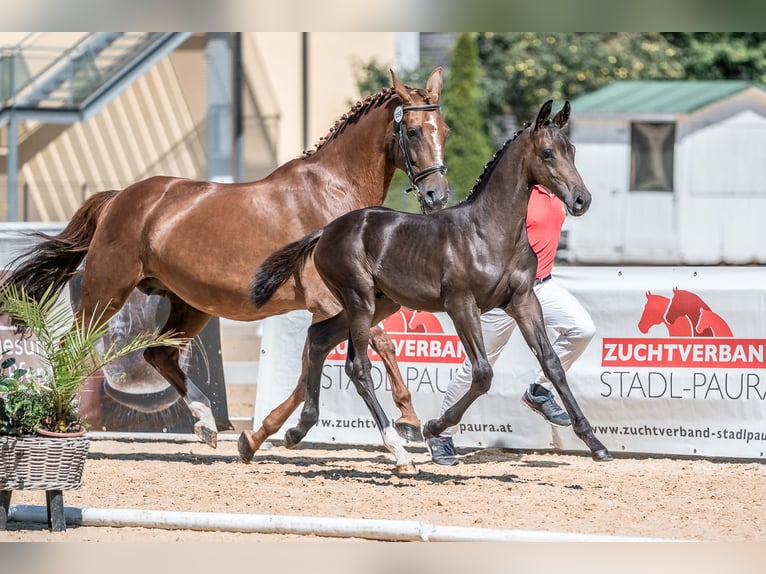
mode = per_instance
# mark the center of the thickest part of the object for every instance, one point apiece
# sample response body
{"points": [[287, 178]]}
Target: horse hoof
{"points": [[427, 432], [292, 438], [206, 434], [408, 469], [409, 432], [246, 450], [602, 455]]}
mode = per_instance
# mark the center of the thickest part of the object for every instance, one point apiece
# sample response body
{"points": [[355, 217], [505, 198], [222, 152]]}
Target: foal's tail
{"points": [[277, 268], [55, 259]]}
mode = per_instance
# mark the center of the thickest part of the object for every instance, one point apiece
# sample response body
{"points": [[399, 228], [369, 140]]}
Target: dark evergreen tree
{"points": [[469, 147]]}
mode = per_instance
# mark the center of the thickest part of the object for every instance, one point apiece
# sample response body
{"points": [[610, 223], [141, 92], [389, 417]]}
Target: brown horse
{"points": [[197, 242], [464, 260]]}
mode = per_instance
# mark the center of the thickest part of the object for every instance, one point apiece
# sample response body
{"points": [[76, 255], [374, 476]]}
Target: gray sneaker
{"points": [[546, 406], [442, 450]]}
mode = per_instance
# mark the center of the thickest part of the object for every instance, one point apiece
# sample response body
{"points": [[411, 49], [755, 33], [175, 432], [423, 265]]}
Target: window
{"points": [[651, 156]]}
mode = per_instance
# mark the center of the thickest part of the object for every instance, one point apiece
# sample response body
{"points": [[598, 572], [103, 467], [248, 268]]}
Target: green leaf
{"points": [[68, 348]]}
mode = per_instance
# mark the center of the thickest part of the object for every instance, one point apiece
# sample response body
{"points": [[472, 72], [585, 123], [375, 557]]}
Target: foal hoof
{"points": [[206, 434], [292, 438], [602, 455], [408, 432], [408, 469]]}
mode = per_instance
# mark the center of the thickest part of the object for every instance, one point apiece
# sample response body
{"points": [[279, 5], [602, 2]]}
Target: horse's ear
{"points": [[562, 118], [545, 112], [648, 294], [434, 86], [401, 90], [675, 289]]}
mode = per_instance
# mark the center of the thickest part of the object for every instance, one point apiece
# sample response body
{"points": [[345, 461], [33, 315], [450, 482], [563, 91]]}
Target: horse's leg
{"points": [[320, 340], [407, 425], [188, 322], [467, 321], [331, 333], [358, 369], [365, 312], [529, 317]]}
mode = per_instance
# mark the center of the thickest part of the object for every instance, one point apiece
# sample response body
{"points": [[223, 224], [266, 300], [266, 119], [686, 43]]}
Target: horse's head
{"points": [[654, 311], [705, 320], [710, 324], [420, 133], [550, 159], [685, 303]]}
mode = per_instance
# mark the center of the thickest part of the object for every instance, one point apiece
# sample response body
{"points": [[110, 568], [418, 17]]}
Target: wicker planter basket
{"points": [[41, 463]]}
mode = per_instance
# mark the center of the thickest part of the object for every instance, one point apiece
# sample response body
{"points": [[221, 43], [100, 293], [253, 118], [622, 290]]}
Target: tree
{"points": [[524, 69], [469, 147], [371, 76], [721, 55]]}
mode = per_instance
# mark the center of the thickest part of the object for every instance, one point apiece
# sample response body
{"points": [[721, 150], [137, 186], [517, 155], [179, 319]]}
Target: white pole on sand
{"points": [[389, 530]]}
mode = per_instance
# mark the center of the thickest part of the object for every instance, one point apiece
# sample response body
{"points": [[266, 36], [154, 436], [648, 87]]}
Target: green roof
{"points": [[657, 96]]}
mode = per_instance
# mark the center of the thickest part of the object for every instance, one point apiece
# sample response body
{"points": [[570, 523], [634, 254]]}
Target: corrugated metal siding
{"points": [[661, 97]]}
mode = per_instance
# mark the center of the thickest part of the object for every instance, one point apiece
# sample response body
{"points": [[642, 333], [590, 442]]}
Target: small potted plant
{"points": [[69, 354], [22, 406], [45, 401]]}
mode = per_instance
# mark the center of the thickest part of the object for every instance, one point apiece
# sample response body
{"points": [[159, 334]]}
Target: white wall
{"points": [[713, 216]]}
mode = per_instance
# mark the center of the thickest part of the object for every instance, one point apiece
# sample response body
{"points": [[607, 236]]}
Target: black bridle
{"points": [[399, 135]]}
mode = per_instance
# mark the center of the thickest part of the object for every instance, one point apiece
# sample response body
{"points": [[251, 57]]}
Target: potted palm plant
{"points": [[45, 401]]}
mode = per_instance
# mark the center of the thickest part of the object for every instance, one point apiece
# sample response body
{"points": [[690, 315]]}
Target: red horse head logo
{"points": [[685, 315], [409, 321]]}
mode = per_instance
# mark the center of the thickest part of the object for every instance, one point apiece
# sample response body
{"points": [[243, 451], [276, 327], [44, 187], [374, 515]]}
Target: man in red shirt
{"points": [[561, 312]]}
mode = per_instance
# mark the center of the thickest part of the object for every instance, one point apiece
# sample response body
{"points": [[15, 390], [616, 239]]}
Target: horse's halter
{"points": [[399, 135]]}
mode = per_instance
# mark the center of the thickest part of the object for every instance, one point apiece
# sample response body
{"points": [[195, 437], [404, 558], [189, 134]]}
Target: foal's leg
{"points": [[320, 340], [333, 332], [362, 313], [407, 425], [467, 320], [187, 322], [529, 317]]}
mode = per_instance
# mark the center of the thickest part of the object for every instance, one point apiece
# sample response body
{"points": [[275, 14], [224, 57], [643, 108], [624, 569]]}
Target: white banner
{"points": [[677, 366]]}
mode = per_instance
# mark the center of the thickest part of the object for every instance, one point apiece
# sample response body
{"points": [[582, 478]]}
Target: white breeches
{"points": [[561, 312]]}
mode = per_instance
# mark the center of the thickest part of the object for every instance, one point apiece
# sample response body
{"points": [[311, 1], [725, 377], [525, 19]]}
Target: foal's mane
{"points": [[359, 109], [491, 164]]}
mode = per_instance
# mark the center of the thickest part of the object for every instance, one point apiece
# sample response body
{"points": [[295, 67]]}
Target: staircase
{"points": [[68, 84]]}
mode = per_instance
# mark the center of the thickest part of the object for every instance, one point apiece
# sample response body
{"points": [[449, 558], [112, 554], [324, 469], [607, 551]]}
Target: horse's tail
{"points": [[277, 268], [54, 260]]}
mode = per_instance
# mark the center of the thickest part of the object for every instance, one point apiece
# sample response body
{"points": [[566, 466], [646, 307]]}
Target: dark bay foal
{"points": [[464, 260]]}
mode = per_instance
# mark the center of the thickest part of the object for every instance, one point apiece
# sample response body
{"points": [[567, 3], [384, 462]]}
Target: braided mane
{"points": [[357, 110], [490, 166]]}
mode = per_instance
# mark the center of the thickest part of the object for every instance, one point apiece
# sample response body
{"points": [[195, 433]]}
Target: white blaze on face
{"points": [[439, 159]]}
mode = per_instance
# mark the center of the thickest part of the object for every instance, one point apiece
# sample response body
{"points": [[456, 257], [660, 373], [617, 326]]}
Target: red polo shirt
{"points": [[545, 216]]}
